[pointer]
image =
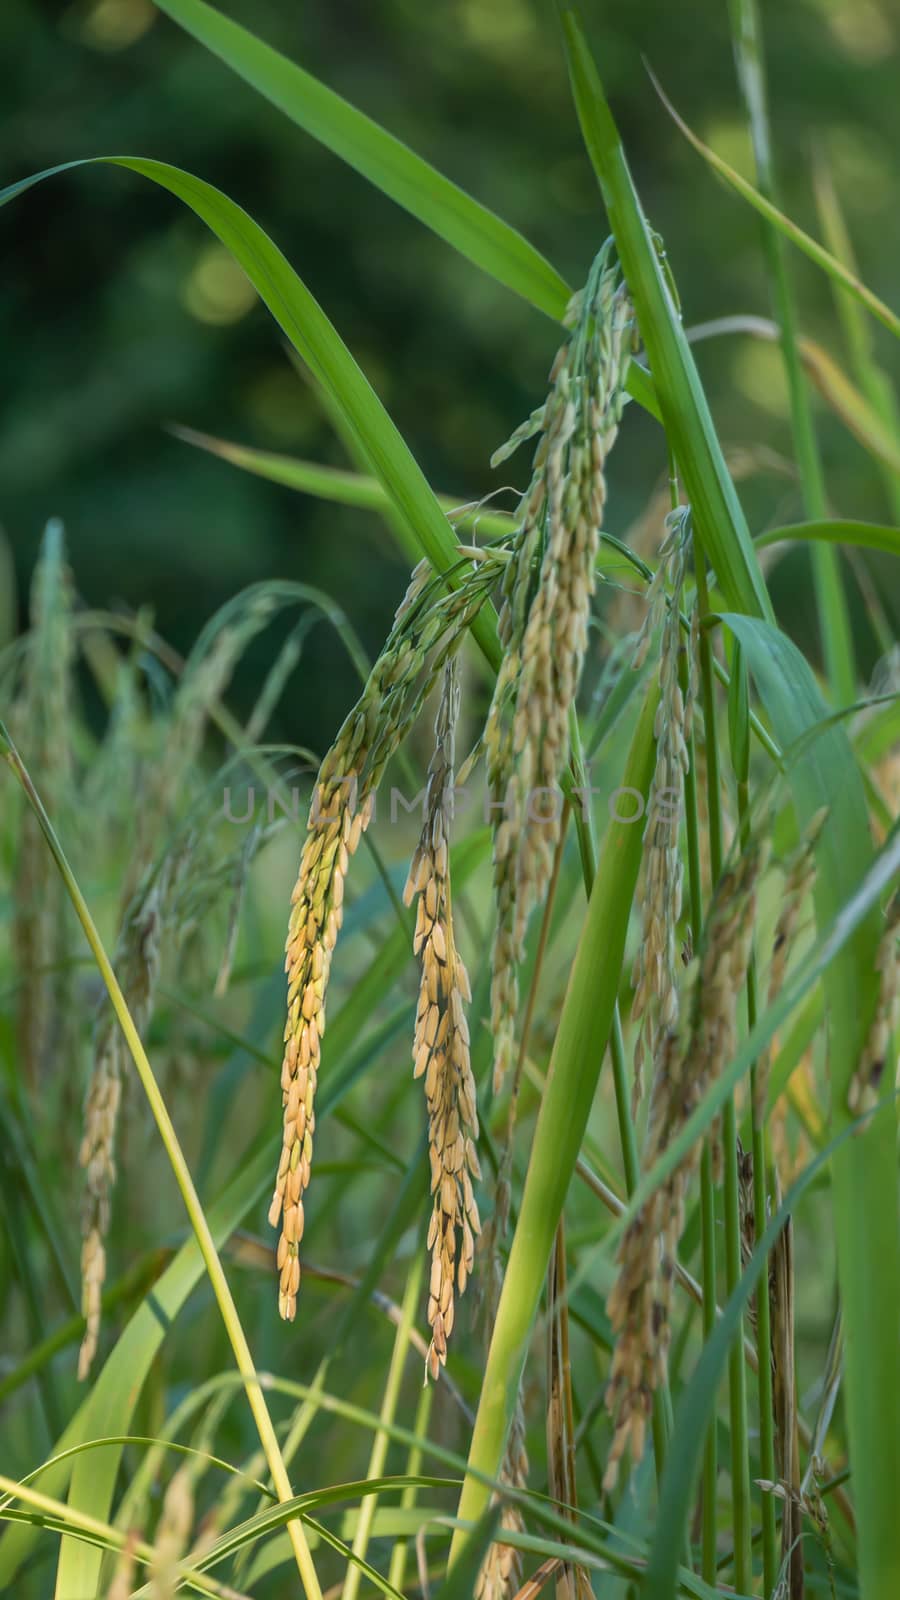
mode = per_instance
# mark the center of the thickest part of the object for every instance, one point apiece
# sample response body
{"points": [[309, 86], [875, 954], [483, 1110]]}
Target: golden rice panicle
{"points": [[425, 628], [545, 617], [441, 1044], [337, 820], [865, 1084], [137, 962], [655, 975], [640, 1302]]}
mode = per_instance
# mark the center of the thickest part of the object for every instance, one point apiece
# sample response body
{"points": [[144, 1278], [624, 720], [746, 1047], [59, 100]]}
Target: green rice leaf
{"points": [[389, 164], [868, 535], [696, 1405], [455, 216], [315, 339]]}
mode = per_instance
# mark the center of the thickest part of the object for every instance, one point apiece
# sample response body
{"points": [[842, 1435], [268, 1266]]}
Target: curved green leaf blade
{"points": [[696, 1405], [473, 230], [335, 484], [323, 350], [441, 205], [868, 535]]}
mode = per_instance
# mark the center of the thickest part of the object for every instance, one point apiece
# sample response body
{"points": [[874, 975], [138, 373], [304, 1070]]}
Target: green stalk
{"points": [[381, 1441], [708, 1565], [834, 620], [575, 1064], [737, 1386], [192, 1202]]}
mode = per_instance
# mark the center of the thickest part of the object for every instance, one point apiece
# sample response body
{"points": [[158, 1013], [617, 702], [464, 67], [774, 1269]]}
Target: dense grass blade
{"points": [[718, 517], [578, 1054], [341, 487]]}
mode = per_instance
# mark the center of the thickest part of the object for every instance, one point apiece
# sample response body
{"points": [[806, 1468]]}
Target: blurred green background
{"points": [[120, 314]]}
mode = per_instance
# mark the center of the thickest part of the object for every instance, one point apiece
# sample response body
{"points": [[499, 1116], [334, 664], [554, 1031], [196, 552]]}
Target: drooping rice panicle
{"points": [[544, 621], [427, 627], [866, 1082], [441, 1046], [639, 1304], [655, 975]]}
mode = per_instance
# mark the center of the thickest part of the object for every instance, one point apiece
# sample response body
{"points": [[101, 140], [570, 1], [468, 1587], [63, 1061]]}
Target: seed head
{"points": [[639, 1304], [548, 588], [655, 974], [427, 628]]}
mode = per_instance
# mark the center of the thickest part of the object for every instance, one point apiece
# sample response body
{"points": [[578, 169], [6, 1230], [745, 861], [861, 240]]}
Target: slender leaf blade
{"points": [[718, 517], [500, 250]]}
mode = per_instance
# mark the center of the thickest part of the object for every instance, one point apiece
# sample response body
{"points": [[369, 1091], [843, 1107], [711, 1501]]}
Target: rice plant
{"points": [[581, 1266]]}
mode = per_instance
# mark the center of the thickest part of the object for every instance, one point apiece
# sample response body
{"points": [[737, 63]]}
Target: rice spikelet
{"points": [[441, 1047], [639, 1304], [548, 589], [655, 974]]}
